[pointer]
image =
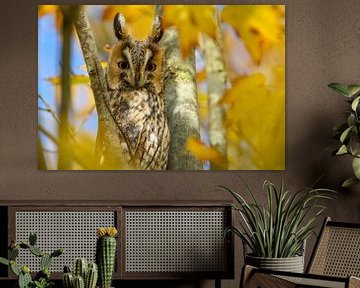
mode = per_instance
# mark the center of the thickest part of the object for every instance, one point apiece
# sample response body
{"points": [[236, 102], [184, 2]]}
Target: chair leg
{"points": [[246, 273]]}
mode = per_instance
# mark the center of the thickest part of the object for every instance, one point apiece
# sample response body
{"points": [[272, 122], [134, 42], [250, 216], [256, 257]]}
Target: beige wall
{"points": [[323, 46]]}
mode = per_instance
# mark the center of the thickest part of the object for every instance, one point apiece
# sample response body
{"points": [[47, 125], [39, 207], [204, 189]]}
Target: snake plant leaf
{"points": [[342, 150], [356, 167], [349, 182], [340, 88], [355, 103]]}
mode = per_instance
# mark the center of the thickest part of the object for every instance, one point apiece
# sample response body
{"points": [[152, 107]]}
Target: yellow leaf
{"points": [[102, 63], [51, 9], [259, 26], [255, 121], [200, 76], [47, 9], [75, 80], [139, 18], [190, 21], [205, 153], [203, 106]]}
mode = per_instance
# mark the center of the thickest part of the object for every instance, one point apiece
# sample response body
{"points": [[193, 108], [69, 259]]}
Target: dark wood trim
{"points": [[115, 203], [343, 224], [11, 235]]}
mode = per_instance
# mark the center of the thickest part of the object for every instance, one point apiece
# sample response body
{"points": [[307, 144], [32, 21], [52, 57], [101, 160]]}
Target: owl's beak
{"points": [[141, 82]]}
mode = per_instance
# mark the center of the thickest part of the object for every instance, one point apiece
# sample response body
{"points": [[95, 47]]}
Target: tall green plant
{"points": [[280, 229], [349, 132]]}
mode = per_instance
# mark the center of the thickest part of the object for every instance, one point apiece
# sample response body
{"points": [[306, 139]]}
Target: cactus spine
{"points": [[105, 254], [91, 276], [84, 275], [68, 280], [24, 277], [80, 267], [79, 282]]}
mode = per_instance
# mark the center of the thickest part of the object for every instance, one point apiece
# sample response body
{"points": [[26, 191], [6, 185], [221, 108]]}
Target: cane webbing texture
{"points": [[74, 231], [175, 241], [338, 252]]}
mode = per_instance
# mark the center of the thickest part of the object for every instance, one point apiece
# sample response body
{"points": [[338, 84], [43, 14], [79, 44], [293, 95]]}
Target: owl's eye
{"points": [[151, 67], [123, 65]]}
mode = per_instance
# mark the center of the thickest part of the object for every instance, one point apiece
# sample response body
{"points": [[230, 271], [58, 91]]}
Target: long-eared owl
{"points": [[135, 79]]}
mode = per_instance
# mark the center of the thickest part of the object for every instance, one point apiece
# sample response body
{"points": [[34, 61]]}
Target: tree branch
{"points": [[216, 78], [64, 159], [108, 147], [181, 100]]}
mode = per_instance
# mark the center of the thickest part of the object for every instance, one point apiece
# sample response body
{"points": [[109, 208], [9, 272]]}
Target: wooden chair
{"points": [[334, 263]]}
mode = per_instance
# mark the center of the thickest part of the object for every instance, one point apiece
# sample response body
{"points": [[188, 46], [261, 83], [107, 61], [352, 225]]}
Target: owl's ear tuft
{"points": [[157, 30], [120, 27]]}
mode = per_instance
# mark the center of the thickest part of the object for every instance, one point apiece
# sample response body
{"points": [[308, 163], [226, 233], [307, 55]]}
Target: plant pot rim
{"points": [[257, 257]]}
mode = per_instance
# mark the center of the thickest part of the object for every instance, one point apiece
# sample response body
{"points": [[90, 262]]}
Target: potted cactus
{"points": [[84, 275], [42, 278], [106, 254]]}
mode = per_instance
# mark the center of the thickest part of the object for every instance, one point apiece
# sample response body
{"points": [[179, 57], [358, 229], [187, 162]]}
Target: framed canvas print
{"points": [[161, 87]]}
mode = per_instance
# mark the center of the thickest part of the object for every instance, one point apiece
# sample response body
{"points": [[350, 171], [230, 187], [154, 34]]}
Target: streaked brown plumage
{"points": [[135, 79]]}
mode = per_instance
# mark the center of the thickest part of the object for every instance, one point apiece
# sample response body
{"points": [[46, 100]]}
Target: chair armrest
{"points": [[354, 282], [253, 278]]}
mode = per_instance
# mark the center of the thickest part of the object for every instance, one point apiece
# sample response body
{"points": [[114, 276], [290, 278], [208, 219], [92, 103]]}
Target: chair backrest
{"points": [[337, 251]]}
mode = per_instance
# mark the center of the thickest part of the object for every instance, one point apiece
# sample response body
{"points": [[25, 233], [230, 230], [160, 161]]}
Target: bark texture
{"points": [[216, 79], [181, 99], [107, 143]]}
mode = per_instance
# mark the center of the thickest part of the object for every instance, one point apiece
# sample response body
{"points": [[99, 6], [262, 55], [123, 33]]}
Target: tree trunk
{"points": [[216, 79], [181, 99], [108, 147]]}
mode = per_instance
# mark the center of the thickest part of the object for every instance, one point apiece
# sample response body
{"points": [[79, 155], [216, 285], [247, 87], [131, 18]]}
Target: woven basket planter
{"points": [[291, 264]]}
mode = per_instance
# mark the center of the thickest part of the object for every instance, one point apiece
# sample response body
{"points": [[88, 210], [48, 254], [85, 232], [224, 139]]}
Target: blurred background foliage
{"points": [[253, 41]]}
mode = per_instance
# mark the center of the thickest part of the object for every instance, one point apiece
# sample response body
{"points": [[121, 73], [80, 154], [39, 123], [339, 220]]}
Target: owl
{"points": [[135, 80]]}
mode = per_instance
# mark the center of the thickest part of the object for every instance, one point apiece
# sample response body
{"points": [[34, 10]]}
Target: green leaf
{"points": [[351, 120], [349, 182], [15, 268], [355, 103], [356, 167], [345, 134], [354, 145], [4, 261], [342, 150], [340, 88], [32, 238], [353, 89]]}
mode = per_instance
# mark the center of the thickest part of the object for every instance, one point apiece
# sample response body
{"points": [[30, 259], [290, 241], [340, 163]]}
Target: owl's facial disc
{"points": [[136, 66]]}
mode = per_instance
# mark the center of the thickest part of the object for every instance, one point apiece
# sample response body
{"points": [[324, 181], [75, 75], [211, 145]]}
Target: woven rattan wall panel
{"points": [[75, 231], [174, 241]]}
